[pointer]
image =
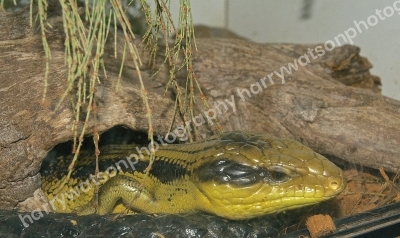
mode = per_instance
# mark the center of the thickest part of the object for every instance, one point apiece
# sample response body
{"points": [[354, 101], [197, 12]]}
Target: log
{"points": [[313, 104]]}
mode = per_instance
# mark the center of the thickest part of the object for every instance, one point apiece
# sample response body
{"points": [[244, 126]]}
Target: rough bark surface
{"points": [[312, 105]]}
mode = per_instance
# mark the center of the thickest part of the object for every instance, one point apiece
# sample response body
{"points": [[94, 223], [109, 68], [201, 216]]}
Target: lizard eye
{"points": [[277, 175]]}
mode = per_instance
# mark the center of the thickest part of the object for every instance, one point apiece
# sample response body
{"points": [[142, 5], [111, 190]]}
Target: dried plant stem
{"points": [[161, 21]]}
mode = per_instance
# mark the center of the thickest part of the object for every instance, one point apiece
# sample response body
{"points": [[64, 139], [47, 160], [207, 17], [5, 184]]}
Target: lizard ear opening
{"points": [[226, 171]]}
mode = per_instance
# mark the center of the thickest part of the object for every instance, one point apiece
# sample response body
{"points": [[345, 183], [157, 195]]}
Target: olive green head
{"points": [[254, 174]]}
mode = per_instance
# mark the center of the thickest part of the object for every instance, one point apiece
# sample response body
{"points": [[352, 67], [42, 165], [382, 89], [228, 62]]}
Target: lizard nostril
{"points": [[335, 185]]}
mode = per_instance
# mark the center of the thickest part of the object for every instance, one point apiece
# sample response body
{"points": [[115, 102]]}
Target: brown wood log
{"points": [[309, 105]]}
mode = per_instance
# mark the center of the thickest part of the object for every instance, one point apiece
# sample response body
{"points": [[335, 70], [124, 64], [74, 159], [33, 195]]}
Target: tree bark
{"points": [[312, 104]]}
